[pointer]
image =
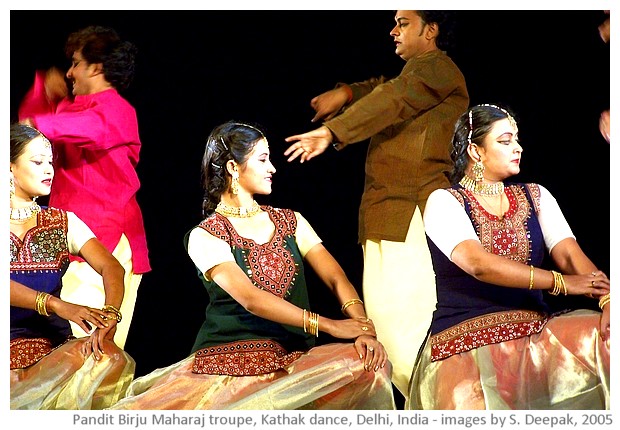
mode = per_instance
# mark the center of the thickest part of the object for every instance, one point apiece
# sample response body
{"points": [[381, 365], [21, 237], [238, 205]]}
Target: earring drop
{"points": [[478, 171], [234, 185]]}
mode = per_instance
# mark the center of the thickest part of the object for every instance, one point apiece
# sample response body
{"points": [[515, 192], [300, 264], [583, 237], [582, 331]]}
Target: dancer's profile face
{"points": [[256, 173]]}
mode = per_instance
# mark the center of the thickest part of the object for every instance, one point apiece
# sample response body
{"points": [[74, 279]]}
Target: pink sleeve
{"points": [[35, 102], [100, 123], [84, 128]]}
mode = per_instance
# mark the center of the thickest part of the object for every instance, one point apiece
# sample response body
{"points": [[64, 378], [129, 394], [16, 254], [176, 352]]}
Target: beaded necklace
{"points": [[238, 212], [481, 188], [22, 215]]}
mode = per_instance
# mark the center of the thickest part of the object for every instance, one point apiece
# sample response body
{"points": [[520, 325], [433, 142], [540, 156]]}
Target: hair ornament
{"points": [[46, 141], [223, 143], [471, 126], [471, 121], [243, 124]]}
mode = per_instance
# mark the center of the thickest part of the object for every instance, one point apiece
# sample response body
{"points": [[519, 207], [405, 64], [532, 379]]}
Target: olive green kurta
{"points": [[410, 120]]}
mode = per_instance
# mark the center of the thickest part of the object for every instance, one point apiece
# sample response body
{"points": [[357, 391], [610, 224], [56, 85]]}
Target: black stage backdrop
{"points": [[197, 69]]}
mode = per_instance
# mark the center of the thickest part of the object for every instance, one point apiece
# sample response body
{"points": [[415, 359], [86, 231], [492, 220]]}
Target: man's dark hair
{"points": [[103, 45], [445, 20]]}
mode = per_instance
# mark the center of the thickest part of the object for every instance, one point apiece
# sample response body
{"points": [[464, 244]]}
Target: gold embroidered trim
{"points": [[485, 330], [243, 358], [25, 352]]}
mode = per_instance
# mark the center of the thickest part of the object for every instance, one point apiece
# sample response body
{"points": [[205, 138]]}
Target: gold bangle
{"points": [[349, 303], [554, 289], [559, 286], [316, 325], [110, 308], [603, 301], [562, 284], [313, 323], [531, 277], [40, 303], [304, 317]]}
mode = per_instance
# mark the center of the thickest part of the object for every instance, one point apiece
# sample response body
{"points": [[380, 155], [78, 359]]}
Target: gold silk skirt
{"points": [[564, 367], [326, 377], [65, 379]]}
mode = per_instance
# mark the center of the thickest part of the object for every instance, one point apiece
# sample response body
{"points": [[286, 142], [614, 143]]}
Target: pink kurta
{"points": [[96, 150]]}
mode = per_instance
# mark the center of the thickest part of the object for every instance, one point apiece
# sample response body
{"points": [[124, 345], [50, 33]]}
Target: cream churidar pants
{"points": [[82, 285], [400, 297]]}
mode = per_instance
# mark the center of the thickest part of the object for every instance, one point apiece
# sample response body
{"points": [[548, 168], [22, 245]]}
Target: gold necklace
{"points": [[238, 212], [481, 188], [22, 215]]}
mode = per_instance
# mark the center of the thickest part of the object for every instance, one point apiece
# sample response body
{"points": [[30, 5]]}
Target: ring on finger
{"points": [[364, 328], [371, 349], [593, 284]]}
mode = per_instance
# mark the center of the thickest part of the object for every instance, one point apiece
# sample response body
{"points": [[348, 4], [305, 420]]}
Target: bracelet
{"points": [[531, 277], [304, 318], [349, 303], [558, 284], [40, 303], [313, 320], [603, 301], [117, 314], [313, 323]]}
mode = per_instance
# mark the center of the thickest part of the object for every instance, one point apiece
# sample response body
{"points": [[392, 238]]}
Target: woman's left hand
{"points": [[371, 352]]}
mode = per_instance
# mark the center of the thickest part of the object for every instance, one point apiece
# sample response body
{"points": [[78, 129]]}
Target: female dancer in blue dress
{"points": [[494, 341], [50, 369]]}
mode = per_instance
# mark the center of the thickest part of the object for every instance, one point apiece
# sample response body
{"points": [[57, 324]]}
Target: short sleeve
{"points": [[446, 222], [78, 233], [305, 236], [553, 224], [207, 251]]}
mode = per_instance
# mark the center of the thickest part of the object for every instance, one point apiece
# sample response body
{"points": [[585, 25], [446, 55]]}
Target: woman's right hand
{"points": [[84, 316]]}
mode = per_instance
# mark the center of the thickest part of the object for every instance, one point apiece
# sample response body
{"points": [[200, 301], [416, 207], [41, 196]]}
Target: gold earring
{"points": [[12, 187], [478, 171], [234, 185]]}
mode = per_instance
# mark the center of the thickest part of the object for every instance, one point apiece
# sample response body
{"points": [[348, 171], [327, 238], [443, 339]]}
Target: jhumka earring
{"points": [[234, 185], [478, 171], [11, 187]]}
